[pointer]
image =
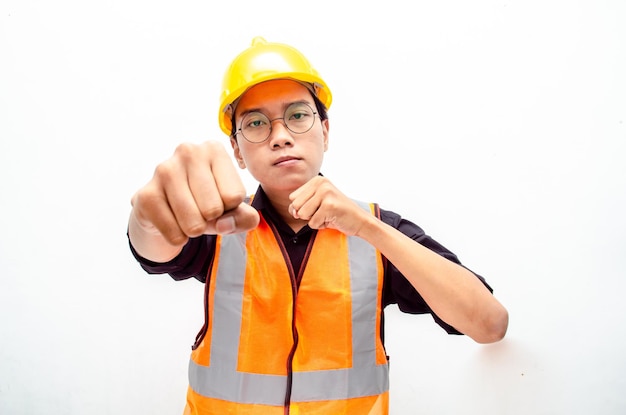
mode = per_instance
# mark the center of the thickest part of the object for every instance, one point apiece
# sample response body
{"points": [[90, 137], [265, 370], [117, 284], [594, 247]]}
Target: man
{"points": [[297, 277]]}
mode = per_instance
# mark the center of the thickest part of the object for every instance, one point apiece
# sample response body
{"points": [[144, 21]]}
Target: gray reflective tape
{"points": [[325, 385], [364, 283], [221, 380], [227, 301], [230, 385]]}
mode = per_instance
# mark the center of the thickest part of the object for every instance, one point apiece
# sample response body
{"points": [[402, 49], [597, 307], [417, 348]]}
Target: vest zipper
{"points": [[295, 284], [290, 364]]}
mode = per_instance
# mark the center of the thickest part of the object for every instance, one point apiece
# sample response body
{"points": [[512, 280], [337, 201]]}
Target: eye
{"points": [[298, 116], [254, 121], [298, 112]]}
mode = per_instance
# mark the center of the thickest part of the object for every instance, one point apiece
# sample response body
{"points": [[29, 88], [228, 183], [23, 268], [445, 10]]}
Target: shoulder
{"points": [[404, 225]]}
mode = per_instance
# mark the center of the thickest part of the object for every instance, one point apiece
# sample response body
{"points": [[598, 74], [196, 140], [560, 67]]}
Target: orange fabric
{"points": [[199, 405], [369, 405], [324, 312], [267, 307]]}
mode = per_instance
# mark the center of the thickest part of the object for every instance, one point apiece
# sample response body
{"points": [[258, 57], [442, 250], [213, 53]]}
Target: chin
{"points": [[284, 184]]}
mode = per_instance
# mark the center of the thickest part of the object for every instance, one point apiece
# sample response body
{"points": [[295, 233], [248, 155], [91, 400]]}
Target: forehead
{"points": [[273, 94]]}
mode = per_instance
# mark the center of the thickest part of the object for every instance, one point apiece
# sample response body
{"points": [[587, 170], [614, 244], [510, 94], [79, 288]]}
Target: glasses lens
{"points": [[299, 117], [255, 127]]}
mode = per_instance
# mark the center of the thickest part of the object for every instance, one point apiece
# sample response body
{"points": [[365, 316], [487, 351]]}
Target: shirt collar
{"points": [[262, 203]]}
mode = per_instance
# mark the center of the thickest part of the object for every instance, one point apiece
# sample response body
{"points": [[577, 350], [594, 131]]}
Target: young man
{"points": [[297, 277]]}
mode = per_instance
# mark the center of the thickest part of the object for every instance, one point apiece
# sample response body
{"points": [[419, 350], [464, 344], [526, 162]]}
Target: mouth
{"points": [[285, 160]]}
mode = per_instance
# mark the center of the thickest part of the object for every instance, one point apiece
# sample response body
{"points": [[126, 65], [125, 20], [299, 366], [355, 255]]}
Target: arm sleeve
{"points": [[398, 290], [193, 261]]}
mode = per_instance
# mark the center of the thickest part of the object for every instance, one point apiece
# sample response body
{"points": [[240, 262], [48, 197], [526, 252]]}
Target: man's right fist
{"points": [[196, 191]]}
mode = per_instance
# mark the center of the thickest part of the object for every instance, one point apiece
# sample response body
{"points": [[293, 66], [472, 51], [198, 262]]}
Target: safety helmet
{"points": [[264, 61]]}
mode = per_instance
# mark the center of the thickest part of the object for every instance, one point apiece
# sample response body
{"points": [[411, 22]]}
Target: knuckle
{"points": [[211, 148], [145, 198], [326, 194], [211, 212], [185, 150], [194, 229], [232, 199], [164, 171], [177, 238]]}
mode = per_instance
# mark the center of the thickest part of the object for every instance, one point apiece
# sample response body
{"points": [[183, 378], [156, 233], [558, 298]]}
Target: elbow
{"points": [[494, 327]]}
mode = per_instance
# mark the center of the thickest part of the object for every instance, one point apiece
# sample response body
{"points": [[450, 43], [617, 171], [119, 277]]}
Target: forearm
{"points": [[453, 293]]}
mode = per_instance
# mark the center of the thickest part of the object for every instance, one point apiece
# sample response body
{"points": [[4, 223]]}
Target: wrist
{"points": [[370, 229]]}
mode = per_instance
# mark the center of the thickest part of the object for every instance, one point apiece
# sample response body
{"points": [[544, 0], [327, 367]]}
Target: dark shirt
{"points": [[195, 258]]}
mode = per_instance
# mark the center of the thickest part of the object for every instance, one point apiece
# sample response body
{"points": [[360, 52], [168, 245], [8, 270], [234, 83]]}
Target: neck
{"points": [[281, 203]]}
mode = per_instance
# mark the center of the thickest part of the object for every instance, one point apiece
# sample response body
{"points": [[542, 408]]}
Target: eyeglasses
{"points": [[255, 127]]}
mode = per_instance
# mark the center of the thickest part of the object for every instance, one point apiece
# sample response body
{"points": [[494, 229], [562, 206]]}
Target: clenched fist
{"points": [[196, 191], [322, 205]]}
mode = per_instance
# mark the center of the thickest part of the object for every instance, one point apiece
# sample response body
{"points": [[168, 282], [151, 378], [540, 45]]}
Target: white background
{"points": [[497, 126]]}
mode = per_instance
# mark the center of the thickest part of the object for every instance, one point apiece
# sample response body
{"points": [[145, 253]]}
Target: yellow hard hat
{"points": [[264, 61]]}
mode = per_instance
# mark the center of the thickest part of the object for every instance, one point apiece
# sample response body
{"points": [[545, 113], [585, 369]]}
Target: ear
{"points": [[237, 153], [325, 127]]}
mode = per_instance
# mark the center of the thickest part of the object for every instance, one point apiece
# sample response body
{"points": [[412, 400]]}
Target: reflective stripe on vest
{"points": [[221, 379]]}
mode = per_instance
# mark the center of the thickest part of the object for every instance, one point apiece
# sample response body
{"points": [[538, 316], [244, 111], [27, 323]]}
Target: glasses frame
{"points": [[271, 121]]}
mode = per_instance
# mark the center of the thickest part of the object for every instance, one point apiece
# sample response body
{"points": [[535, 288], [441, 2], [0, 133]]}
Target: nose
{"points": [[280, 135]]}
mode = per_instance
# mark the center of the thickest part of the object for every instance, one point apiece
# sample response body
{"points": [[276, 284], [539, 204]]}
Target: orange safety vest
{"points": [[279, 343]]}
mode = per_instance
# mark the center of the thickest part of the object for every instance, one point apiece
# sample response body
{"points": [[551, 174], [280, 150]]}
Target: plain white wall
{"points": [[498, 126]]}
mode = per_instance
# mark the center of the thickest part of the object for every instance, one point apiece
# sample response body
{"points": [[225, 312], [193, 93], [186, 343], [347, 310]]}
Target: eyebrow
{"points": [[285, 106]]}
